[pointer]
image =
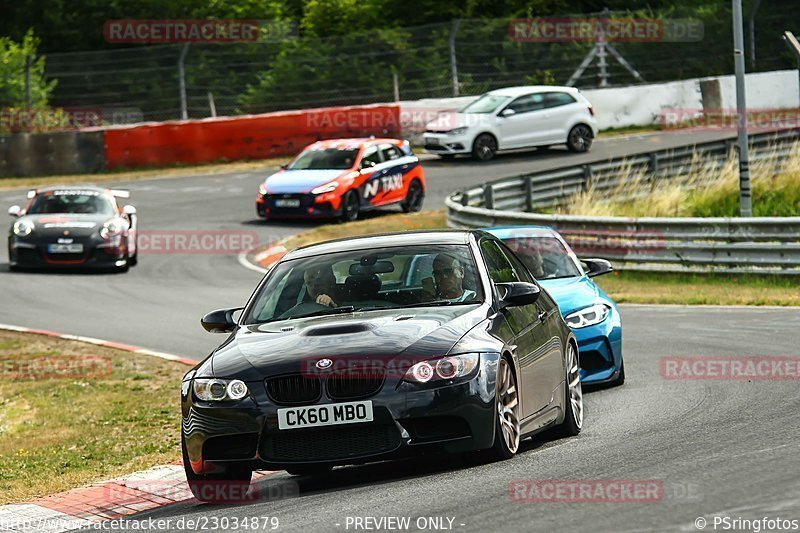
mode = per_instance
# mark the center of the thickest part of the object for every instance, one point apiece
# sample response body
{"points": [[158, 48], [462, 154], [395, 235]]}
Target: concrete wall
{"points": [[642, 105], [42, 154]]}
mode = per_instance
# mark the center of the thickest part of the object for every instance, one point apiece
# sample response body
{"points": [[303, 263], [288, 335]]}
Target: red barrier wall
{"points": [[250, 137]]}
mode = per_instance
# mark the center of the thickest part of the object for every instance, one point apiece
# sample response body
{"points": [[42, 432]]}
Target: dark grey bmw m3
{"points": [[372, 348]]}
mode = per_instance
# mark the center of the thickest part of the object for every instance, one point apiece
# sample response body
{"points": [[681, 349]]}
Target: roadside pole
{"points": [[745, 197]]}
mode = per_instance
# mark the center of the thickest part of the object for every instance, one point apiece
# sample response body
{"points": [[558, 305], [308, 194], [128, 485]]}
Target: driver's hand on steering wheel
{"points": [[324, 299]]}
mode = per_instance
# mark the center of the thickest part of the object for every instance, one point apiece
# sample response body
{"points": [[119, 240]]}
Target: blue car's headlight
{"points": [[588, 316]]}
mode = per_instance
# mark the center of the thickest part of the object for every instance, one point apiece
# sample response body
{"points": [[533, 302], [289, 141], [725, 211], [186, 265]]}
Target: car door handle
{"points": [[542, 314]]}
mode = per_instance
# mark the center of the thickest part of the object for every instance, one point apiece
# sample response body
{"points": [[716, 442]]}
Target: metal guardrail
{"points": [[752, 245]]}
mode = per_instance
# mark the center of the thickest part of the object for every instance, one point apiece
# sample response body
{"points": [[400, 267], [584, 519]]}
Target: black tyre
{"points": [[484, 147], [507, 431], [350, 206], [580, 138], [225, 487], [134, 259], [414, 197], [573, 397]]}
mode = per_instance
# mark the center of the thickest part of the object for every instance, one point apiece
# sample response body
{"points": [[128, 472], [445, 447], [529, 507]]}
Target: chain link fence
{"points": [[466, 57]]}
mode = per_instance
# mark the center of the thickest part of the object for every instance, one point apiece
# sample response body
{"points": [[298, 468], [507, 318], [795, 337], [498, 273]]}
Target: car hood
{"points": [[57, 224], [449, 121], [299, 181], [572, 294], [256, 352]]}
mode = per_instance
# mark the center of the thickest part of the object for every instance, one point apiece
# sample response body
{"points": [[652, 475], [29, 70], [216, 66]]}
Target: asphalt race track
{"points": [[158, 304], [726, 448], [716, 447]]}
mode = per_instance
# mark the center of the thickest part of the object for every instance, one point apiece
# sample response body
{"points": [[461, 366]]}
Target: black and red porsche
{"points": [[73, 227], [370, 348]]}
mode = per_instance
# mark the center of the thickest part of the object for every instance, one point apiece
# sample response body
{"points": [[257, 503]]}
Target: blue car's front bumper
{"points": [[600, 348]]}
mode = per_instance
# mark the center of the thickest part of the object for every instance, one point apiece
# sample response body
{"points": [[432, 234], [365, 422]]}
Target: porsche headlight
{"points": [[217, 390], [444, 368], [328, 187], [112, 227], [588, 316], [23, 228], [458, 131], [262, 189]]}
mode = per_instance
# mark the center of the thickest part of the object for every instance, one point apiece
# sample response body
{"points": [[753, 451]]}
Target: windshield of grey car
{"points": [[71, 202]]}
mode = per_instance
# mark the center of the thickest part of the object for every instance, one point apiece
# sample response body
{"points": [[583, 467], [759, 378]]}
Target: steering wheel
{"points": [[301, 309]]}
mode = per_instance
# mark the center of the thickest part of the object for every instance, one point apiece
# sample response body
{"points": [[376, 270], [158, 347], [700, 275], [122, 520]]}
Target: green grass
{"points": [[64, 432], [700, 289], [705, 191]]}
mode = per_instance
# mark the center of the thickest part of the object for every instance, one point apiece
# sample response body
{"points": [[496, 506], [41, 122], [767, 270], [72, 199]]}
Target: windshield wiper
{"points": [[434, 303], [332, 311]]}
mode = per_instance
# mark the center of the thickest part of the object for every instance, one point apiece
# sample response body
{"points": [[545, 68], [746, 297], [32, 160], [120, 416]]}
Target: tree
{"points": [[14, 56]]}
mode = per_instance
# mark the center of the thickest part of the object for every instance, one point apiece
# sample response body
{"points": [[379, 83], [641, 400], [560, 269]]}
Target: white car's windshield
{"points": [[488, 103], [363, 280], [71, 202]]}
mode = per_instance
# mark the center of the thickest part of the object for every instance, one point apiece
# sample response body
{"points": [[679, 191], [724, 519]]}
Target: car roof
{"points": [[528, 89], [385, 240], [504, 232], [352, 144]]}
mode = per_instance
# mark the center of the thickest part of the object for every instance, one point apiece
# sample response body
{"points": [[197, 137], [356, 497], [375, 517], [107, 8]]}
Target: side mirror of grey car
{"points": [[597, 267], [507, 112], [517, 293], [129, 210], [220, 321], [14, 211]]}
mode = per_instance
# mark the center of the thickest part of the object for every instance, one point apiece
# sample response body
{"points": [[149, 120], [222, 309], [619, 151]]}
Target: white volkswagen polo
{"points": [[514, 118]]}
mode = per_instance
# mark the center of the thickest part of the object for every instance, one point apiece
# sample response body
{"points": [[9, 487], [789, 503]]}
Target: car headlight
{"points": [[328, 187], [217, 390], [262, 189], [444, 368], [112, 227], [23, 228], [458, 131], [589, 316]]}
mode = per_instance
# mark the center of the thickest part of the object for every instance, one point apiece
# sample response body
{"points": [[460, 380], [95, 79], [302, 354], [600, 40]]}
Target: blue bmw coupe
{"points": [[591, 314]]}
